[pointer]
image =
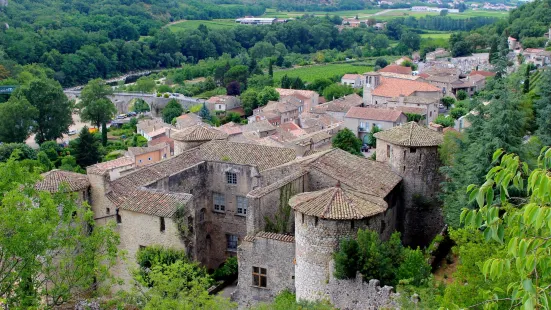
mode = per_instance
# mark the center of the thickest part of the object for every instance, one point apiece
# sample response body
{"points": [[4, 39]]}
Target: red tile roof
{"points": [[53, 180], [483, 73], [378, 114], [162, 139], [351, 76], [396, 69], [391, 87]]}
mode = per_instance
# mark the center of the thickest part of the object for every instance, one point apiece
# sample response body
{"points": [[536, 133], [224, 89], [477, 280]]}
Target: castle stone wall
{"points": [[317, 240], [419, 168], [278, 259], [357, 294]]}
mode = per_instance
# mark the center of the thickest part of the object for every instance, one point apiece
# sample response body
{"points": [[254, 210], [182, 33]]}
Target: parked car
{"points": [[121, 116], [72, 132], [130, 114], [365, 148]]}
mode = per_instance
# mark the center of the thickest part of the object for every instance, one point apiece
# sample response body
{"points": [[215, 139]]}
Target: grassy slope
{"points": [[311, 73], [193, 24]]}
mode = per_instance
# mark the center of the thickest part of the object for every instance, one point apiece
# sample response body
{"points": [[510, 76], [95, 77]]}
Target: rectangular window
{"points": [[163, 228], [242, 204], [231, 178], [231, 241], [388, 150], [219, 202], [260, 278]]}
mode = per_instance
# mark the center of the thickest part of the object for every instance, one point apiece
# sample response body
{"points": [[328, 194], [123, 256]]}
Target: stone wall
{"points": [[357, 294], [141, 230], [269, 203], [419, 168], [101, 206], [278, 259], [211, 227], [316, 241]]}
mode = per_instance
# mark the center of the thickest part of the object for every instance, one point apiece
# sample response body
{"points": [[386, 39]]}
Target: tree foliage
{"points": [[521, 226], [54, 109], [347, 141], [94, 105], [86, 148], [172, 110], [51, 249], [17, 118]]}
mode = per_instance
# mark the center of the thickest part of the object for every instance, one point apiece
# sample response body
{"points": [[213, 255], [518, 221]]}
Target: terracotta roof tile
{"points": [[263, 157], [53, 180], [337, 203], [199, 132], [391, 87], [411, 134], [154, 202], [272, 236], [102, 168], [339, 105], [307, 94], [377, 114], [397, 69], [231, 128], [483, 73], [260, 126], [135, 151]]}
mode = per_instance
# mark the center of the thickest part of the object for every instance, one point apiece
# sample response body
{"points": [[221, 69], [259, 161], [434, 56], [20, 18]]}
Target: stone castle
{"points": [[217, 199]]}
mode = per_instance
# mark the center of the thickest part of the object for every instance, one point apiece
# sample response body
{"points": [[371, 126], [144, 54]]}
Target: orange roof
{"points": [[483, 73], [306, 94], [377, 114], [396, 69], [424, 75], [391, 87]]}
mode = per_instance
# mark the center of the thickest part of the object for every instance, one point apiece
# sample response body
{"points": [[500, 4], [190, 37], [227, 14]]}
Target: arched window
{"points": [[202, 215]]}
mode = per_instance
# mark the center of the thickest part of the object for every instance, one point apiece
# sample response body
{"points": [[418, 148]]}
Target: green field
{"points": [[193, 24], [359, 13], [467, 14], [311, 73], [436, 35]]}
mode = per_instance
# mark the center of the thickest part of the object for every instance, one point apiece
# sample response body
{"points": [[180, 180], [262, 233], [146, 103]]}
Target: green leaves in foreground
{"points": [[522, 224]]}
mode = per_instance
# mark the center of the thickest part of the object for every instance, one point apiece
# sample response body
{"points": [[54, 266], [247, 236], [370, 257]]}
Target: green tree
{"points": [[371, 140], [271, 69], [460, 49], [145, 84], [520, 226], [336, 91], [347, 141], [298, 84], [172, 110], [86, 149], [51, 149], [44, 161], [526, 85], [414, 268], [346, 259], [182, 285], [319, 85], [22, 150], [286, 82], [447, 101], [52, 249], [380, 42], [411, 40], [260, 81], [69, 163], [461, 95], [267, 94], [205, 113], [17, 118], [288, 301], [249, 101], [445, 120], [95, 107], [54, 109], [456, 113], [381, 62], [141, 106]]}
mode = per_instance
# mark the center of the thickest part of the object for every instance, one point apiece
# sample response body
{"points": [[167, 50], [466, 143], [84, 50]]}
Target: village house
{"points": [[223, 103], [352, 80], [149, 155], [361, 120], [231, 129], [278, 112], [309, 98], [537, 56], [312, 122], [163, 139], [188, 120], [391, 92], [352, 22], [513, 43], [339, 107], [436, 54], [261, 129], [153, 128]]}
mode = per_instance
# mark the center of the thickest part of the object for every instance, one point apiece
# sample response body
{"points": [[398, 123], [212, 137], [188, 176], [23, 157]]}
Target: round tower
{"points": [[322, 219], [411, 151]]}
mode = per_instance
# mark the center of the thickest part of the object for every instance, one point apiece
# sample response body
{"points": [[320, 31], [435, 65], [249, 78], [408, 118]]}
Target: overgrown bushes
{"points": [[388, 261]]}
